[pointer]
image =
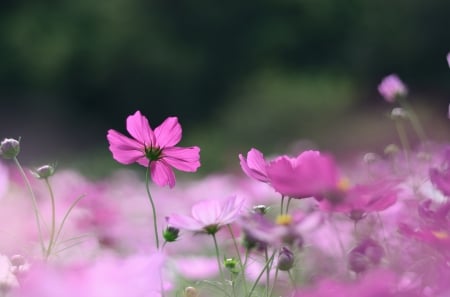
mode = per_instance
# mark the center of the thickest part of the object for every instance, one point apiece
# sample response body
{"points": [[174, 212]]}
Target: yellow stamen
{"points": [[284, 219], [344, 184], [440, 234]]}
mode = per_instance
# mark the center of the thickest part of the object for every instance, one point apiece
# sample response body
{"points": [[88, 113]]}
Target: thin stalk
{"points": [[282, 205], [414, 119], [403, 139], [216, 247], [239, 258], [288, 204], [53, 222], [66, 216], [155, 221], [37, 214], [261, 274], [266, 255], [275, 279]]}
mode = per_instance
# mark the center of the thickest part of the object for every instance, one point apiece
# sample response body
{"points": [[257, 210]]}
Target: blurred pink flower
{"points": [[391, 86], [309, 174], [374, 284], [255, 165], [361, 199], [154, 148], [440, 177], [208, 216], [138, 275]]}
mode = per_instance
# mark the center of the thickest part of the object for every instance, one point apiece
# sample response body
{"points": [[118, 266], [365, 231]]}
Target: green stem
{"points": [[288, 204], [266, 255], [282, 205], [66, 216], [155, 222], [275, 279], [53, 223], [260, 274], [216, 247], [239, 258], [403, 139], [37, 214], [414, 119]]}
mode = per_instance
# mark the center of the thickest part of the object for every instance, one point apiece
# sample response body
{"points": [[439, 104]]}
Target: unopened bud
{"points": [[261, 209], [9, 148], [44, 171], [170, 234], [190, 292], [392, 87], [285, 259], [232, 265], [365, 255], [391, 149], [399, 113]]}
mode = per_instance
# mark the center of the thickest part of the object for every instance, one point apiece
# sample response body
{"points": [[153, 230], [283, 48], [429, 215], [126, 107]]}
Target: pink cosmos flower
{"points": [[309, 174], [391, 86], [362, 199], [154, 148], [209, 215], [440, 177], [137, 275], [255, 165]]}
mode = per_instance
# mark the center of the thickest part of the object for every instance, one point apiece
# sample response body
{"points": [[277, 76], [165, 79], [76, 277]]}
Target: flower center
{"points": [[153, 153], [211, 229], [284, 219]]}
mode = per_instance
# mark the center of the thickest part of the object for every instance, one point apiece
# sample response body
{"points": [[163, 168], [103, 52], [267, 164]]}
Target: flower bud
{"points": [[391, 149], [366, 254], [399, 113], [285, 259], [19, 264], [232, 265], [190, 292], [9, 148], [44, 171], [261, 209], [392, 87], [170, 234]]}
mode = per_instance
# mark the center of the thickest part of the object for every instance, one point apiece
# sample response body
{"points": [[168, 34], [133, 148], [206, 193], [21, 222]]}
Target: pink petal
{"points": [[168, 133], [139, 128], [184, 222], [124, 149], [207, 212], [162, 174], [184, 159], [255, 165]]}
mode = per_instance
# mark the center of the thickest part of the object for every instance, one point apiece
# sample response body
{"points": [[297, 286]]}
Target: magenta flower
{"points": [[154, 148], [255, 165], [391, 86], [362, 199], [309, 174], [440, 177], [208, 216]]}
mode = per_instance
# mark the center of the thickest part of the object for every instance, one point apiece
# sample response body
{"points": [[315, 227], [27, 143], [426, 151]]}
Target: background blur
{"points": [[271, 74]]}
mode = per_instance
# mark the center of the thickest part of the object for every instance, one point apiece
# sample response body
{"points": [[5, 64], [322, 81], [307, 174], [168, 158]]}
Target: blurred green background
{"points": [[269, 74]]}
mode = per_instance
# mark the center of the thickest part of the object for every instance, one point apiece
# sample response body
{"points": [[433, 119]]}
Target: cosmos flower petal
{"points": [[162, 174], [208, 212], [139, 128], [183, 158], [125, 150], [255, 165], [184, 222], [168, 133]]}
